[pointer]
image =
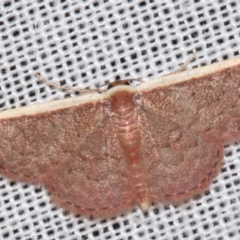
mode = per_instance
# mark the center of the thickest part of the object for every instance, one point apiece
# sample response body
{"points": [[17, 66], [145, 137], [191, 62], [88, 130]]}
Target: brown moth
{"points": [[101, 154]]}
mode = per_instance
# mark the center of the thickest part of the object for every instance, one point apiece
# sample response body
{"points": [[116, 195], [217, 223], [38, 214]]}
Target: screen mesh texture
{"points": [[84, 44]]}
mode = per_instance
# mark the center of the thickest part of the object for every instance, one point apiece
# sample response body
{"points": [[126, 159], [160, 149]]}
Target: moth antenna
{"points": [[121, 82], [80, 90], [184, 65]]}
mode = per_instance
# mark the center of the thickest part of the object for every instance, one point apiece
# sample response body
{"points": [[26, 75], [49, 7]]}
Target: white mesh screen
{"points": [[85, 44]]}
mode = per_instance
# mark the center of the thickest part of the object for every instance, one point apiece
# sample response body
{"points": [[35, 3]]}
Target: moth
{"points": [[101, 154]]}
